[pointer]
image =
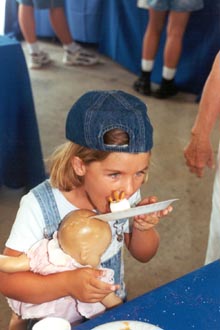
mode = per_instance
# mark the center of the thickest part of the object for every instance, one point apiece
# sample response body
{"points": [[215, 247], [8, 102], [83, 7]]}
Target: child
{"points": [[80, 241], [178, 12], [109, 148]]}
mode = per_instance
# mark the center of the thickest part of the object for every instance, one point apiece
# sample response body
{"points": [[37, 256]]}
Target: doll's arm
{"points": [[111, 300], [14, 264], [82, 284]]}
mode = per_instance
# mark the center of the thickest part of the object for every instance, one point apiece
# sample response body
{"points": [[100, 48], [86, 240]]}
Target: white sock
{"points": [[168, 73], [73, 47], [147, 65], [33, 48]]}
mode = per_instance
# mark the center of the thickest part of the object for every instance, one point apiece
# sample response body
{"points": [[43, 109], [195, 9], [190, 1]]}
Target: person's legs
{"points": [[149, 49], [177, 23], [153, 33], [27, 23], [26, 20], [74, 54], [60, 26], [176, 27]]}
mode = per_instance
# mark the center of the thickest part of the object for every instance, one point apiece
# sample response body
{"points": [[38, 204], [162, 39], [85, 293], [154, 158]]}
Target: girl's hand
{"points": [[147, 221], [84, 284]]}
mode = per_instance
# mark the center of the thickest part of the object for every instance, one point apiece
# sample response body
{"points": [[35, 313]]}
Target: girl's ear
{"points": [[78, 166]]}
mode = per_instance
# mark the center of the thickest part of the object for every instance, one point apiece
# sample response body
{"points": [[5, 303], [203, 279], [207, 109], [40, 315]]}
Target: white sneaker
{"points": [[38, 60], [80, 57]]}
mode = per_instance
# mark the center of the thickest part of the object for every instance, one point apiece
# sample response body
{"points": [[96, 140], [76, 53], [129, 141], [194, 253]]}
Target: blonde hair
{"points": [[62, 174]]}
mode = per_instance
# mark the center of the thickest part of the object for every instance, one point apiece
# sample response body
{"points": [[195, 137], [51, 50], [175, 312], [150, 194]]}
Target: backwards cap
{"points": [[97, 112]]}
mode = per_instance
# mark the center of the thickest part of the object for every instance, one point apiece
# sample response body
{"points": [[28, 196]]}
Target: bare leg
{"points": [[27, 23], [149, 49], [153, 33], [58, 20], [60, 25], [16, 323], [73, 54], [177, 23], [176, 27]]}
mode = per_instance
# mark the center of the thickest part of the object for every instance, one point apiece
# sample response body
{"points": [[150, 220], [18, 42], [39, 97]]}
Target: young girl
{"points": [[109, 147]]}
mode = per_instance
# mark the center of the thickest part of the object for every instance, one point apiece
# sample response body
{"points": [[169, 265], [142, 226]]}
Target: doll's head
{"points": [[84, 238]]}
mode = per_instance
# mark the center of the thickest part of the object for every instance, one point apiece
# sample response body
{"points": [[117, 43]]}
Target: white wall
{"points": [[2, 15]]}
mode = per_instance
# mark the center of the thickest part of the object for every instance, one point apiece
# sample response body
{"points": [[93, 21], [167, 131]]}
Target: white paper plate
{"points": [[127, 325], [52, 323], [133, 211]]}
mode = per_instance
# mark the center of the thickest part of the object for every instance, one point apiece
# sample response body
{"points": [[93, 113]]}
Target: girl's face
{"points": [[119, 171]]}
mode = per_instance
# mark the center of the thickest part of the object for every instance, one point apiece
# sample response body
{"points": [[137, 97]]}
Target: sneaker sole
{"points": [[164, 96], [80, 63], [40, 65], [142, 91]]}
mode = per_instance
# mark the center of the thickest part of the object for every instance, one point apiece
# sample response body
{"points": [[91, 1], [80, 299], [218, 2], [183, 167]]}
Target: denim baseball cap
{"points": [[97, 112]]}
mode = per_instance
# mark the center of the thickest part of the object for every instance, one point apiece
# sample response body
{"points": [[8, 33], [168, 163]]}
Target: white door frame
{"points": [[2, 16]]}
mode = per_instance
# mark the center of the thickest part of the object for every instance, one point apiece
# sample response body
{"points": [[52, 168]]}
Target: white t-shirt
{"points": [[29, 224]]}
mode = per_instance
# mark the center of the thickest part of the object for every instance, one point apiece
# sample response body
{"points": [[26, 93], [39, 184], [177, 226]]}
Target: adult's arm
{"points": [[199, 152]]}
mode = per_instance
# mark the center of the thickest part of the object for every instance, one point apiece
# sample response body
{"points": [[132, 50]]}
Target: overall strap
{"points": [[45, 197]]}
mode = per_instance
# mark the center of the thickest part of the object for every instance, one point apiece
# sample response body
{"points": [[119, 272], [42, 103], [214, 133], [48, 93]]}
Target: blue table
{"points": [[21, 162], [190, 302]]}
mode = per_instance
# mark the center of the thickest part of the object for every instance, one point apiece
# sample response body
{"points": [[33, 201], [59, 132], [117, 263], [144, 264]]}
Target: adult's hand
{"points": [[199, 154]]}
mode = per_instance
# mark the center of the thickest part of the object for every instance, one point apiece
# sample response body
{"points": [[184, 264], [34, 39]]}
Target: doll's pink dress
{"points": [[46, 257]]}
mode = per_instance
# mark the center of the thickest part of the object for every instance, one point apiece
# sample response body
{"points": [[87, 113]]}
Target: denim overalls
{"points": [[45, 197], [44, 194]]}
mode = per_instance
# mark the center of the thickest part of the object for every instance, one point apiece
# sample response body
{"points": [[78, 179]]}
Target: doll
{"points": [[79, 242]]}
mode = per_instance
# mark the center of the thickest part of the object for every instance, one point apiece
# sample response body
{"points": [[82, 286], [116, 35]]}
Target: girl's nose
{"points": [[129, 188]]}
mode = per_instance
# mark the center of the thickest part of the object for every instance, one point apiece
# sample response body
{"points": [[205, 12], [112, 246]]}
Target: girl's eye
{"points": [[114, 175], [141, 173]]}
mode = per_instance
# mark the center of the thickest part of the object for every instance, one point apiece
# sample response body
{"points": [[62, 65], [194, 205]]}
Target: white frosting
{"points": [[121, 205]]}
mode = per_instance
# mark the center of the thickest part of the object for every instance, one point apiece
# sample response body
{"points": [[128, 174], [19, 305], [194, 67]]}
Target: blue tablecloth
{"points": [[190, 302], [21, 163]]}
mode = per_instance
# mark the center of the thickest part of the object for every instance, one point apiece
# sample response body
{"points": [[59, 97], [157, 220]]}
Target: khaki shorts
{"points": [[42, 4]]}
